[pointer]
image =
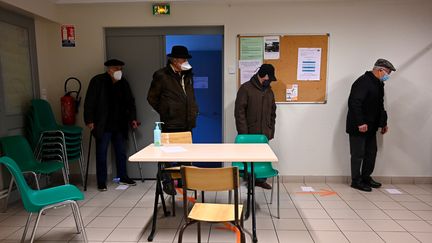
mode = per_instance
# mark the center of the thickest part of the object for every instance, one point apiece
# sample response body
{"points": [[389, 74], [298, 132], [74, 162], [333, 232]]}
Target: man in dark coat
{"points": [[255, 108], [109, 111], [171, 93], [366, 114]]}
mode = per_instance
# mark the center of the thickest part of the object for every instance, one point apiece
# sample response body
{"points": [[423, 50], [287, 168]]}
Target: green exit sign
{"points": [[161, 9]]}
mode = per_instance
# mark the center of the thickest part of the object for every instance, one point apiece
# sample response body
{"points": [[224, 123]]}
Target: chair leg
{"points": [[35, 226], [278, 198], [26, 228], [36, 180], [173, 200], [80, 162], [180, 237], [8, 195], [271, 195], [75, 217], [65, 176], [83, 231]]}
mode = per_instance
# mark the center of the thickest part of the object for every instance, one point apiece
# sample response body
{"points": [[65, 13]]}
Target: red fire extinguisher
{"points": [[70, 104]]}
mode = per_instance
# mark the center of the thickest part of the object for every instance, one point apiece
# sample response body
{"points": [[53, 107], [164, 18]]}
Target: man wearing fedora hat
{"points": [[255, 108], [366, 114], [171, 94], [109, 111]]}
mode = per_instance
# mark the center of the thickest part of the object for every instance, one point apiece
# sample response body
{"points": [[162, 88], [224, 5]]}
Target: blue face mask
{"points": [[385, 77]]}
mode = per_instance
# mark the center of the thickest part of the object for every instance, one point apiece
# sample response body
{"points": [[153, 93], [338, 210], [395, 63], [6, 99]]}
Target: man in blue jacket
{"points": [[366, 114]]}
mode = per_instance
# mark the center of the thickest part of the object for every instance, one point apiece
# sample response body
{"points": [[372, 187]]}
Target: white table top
{"points": [[206, 152]]}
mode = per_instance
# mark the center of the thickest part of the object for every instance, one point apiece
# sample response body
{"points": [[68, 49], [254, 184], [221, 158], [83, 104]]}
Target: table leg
{"points": [[155, 206], [248, 194], [254, 239]]}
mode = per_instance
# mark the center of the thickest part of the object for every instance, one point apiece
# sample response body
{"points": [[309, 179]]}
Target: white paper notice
{"points": [[122, 187], [172, 149], [309, 64], [271, 47], [248, 68], [307, 189], [292, 93], [393, 191]]}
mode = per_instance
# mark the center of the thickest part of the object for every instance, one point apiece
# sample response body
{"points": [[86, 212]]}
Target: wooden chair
{"points": [[211, 179], [174, 171]]}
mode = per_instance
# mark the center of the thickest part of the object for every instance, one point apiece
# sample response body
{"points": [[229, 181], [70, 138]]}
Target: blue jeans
{"points": [[118, 142]]}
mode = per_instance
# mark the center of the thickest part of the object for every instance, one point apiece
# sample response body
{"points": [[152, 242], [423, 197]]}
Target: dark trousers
{"points": [[363, 150], [118, 142]]}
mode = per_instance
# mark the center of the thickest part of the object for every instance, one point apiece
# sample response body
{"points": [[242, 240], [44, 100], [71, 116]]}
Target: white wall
{"points": [[310, 138]]}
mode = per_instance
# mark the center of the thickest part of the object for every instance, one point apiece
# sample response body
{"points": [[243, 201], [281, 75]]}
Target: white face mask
{"points": [[185, 66], [117, 75]]}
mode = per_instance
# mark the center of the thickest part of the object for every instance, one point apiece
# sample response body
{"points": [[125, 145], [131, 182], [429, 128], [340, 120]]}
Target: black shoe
{"points": [[168, 188], [264, 185], [102, 187], [373, 184], [127, 181], [361, 186]]}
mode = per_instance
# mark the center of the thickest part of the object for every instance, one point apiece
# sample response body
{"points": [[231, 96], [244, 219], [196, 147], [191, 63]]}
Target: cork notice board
{"points": [[300, 63]]}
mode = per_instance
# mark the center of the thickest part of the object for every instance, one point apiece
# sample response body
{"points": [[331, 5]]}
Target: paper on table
{"points": [[393, 191], [122, 187], [173, 149], [307, 189]]}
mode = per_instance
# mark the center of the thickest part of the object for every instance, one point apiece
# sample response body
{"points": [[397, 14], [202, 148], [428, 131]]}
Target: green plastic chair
{"points": [[37, 201], [18, 148], [261, 169]]}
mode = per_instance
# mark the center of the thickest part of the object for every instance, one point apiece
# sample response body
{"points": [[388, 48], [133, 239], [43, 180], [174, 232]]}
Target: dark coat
{"points": [[177, 110], [366, 105], [255, 109], [97, 100]]}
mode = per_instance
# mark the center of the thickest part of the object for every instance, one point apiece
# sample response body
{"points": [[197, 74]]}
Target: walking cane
{"points": [[136, 150], [88, 161]]}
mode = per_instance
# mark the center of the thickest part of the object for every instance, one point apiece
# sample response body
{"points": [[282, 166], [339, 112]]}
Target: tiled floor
{"points": [[348, 216]]}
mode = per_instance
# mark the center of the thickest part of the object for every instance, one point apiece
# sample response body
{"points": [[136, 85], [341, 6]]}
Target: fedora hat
{"points": [[179, 52]]}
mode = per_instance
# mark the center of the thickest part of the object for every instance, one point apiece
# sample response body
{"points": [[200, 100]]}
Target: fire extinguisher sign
{"points": [[68, 35]]}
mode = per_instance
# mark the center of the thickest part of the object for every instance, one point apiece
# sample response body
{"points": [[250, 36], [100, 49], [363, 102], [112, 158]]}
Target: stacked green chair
{"points": [[52, 141], [17, 148], [37, 201], [261, 169]]}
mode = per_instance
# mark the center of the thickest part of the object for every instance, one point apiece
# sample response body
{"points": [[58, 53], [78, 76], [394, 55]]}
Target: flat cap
{"points": [[384, 63], [267, 69], [114, 62]]}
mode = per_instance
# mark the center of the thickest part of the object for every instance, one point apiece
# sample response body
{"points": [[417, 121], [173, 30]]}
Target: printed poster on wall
{"points": [[271, 47], [251, 48], [68, 35], [292, 93], [248, 68], [309, 64]]}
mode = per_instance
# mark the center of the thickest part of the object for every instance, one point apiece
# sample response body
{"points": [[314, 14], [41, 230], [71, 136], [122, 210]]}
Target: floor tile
{"points": [[401, 214], [313, 213], [415, 225], [112, 212], [320, 224], [361, 237], [389, 205], [342, 214], [328, 237], [397, 237], [371, 214], [94, 234], [105, 222], [287, 236], [426, 215], [289, 224], [384, 225], [352, 225], [125, 234], [423, 237]]}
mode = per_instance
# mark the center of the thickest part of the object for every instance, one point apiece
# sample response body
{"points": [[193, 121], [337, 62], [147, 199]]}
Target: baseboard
{"points": [[347, 179]]}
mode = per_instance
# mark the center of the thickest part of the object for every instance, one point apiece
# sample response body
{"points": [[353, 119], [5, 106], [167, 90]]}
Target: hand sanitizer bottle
{"points": [[157, 135]]}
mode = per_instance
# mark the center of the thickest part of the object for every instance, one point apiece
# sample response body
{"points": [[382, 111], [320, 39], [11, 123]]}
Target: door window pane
{"points": [[15, 68]]}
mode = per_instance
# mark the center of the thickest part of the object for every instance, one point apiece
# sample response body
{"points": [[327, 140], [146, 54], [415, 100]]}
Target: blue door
{"points": [[206, 61]]}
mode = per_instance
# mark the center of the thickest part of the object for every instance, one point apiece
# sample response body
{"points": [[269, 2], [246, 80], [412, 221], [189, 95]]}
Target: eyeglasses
{"points": [[385, 71]]}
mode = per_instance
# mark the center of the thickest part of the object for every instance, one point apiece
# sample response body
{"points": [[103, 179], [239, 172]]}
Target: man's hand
{"points": [[135, 124], [363, 128], [384, 130], [91, 126]]}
